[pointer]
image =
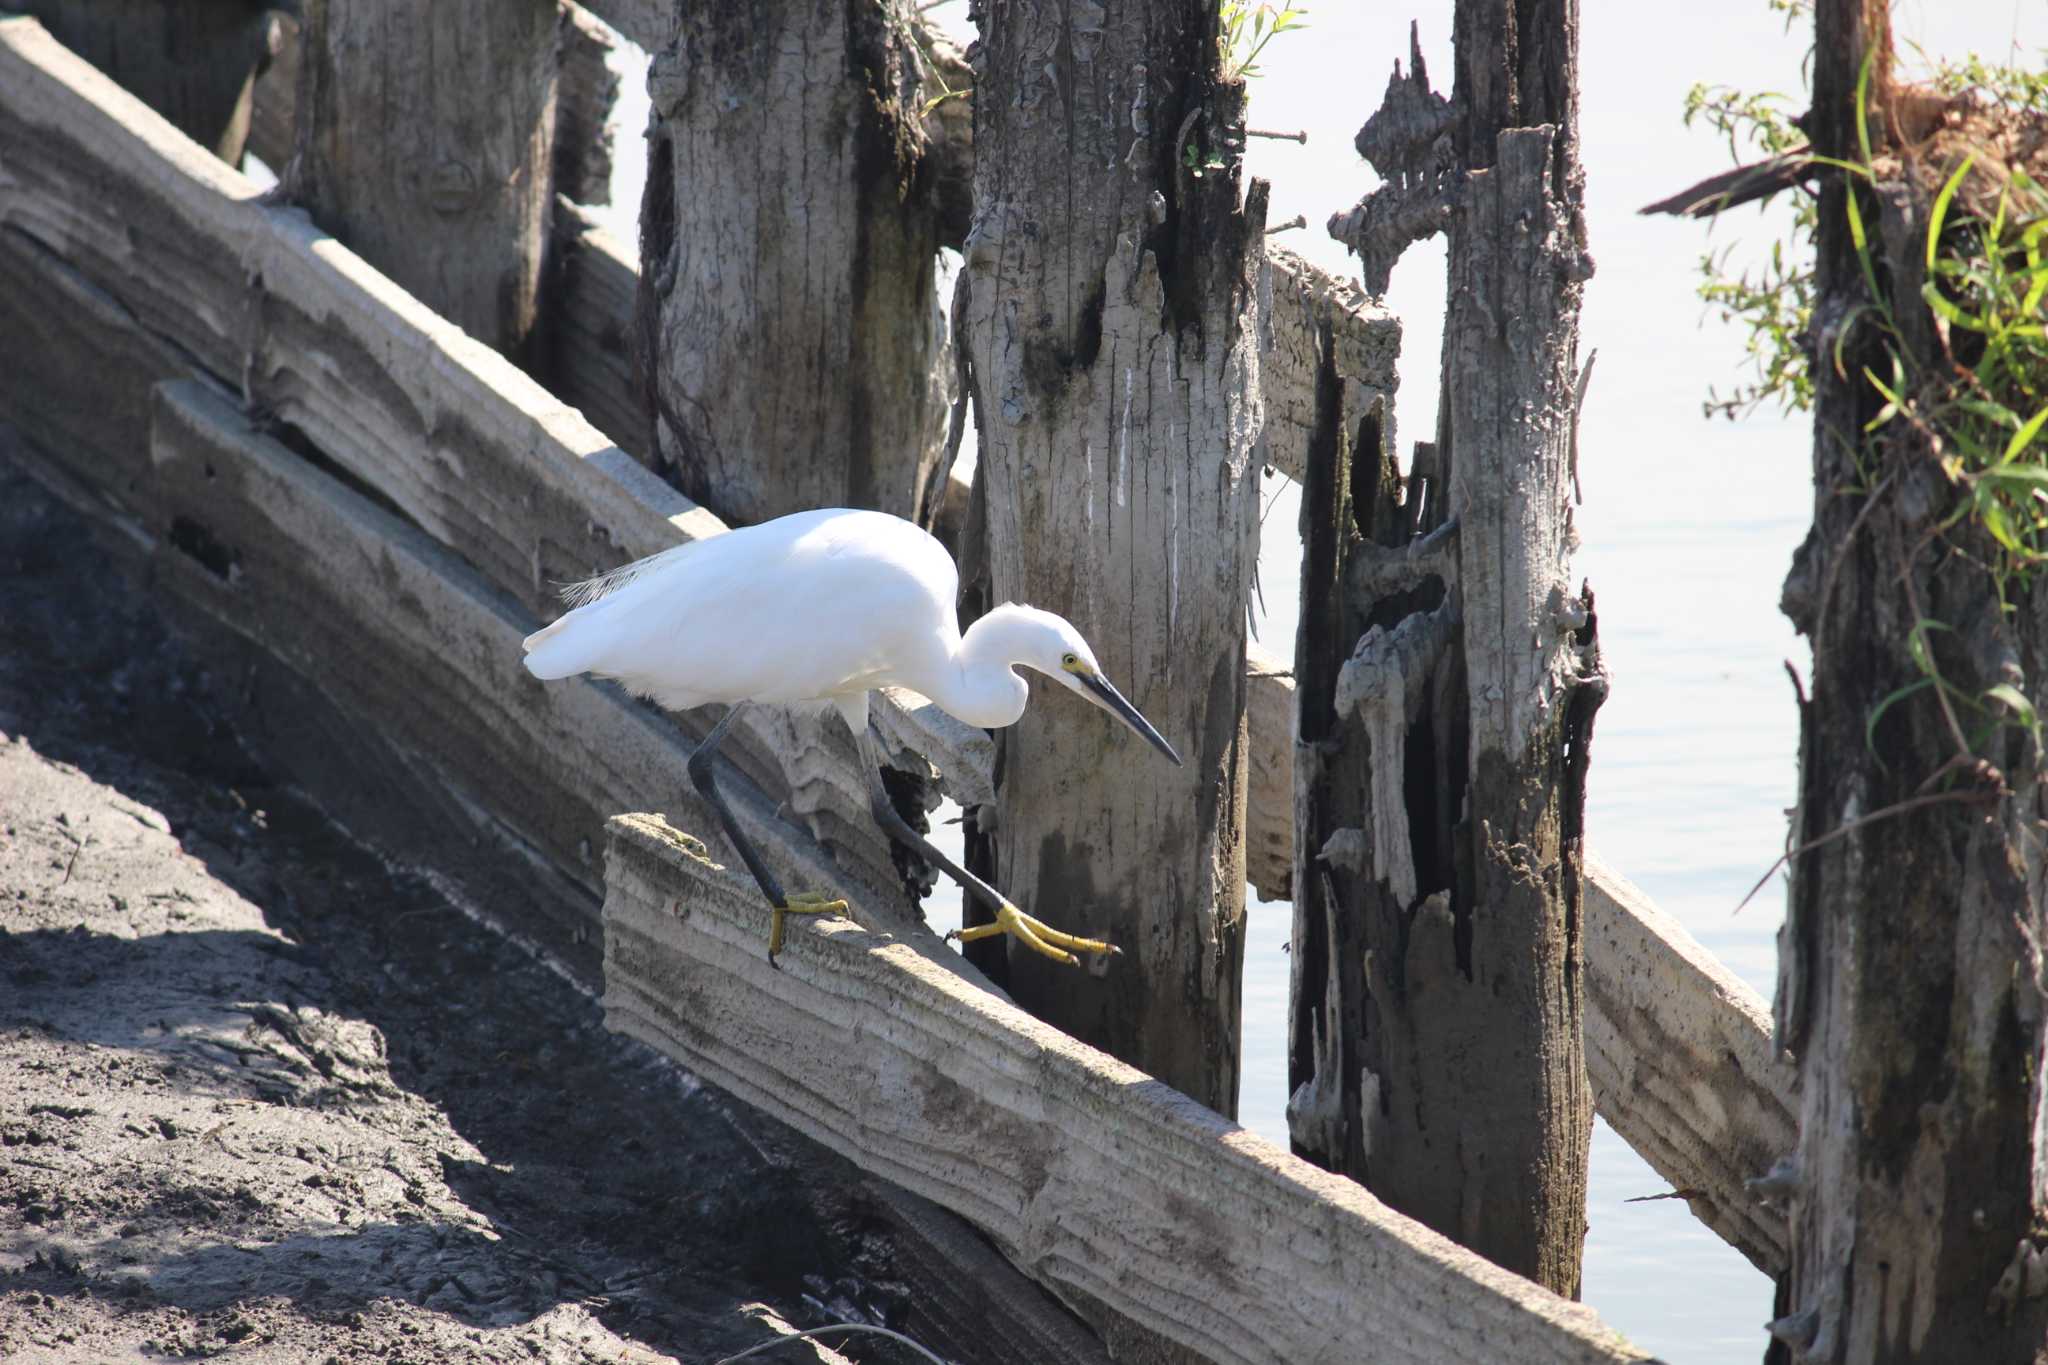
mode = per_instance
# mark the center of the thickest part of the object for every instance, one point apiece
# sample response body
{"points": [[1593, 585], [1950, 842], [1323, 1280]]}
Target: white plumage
{"points": [[822, 607]]}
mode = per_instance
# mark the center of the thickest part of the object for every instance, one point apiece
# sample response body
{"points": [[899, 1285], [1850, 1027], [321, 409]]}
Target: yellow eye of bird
{"points": [[1068, 661]]}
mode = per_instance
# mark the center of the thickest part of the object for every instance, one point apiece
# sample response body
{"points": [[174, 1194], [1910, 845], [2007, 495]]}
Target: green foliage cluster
{"points": [[1982, 408], [1245, 29], [1773, 302]]}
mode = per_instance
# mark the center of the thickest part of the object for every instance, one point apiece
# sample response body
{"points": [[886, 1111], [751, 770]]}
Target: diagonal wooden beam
{"points": [[1125, 1198]]}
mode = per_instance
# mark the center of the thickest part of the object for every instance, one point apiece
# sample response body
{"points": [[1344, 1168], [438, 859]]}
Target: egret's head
{"points": [[1058, 651]]}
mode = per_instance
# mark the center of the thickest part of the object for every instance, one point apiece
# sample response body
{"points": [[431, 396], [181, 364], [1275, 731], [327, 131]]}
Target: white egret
{"points": [[824, 607]]}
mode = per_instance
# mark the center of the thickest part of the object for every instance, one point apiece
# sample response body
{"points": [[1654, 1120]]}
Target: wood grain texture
{"points": [[1110, 322], [1680, 1055], [1108, 1187], [788, 316], [589, 338], [461, 442], [424, 138], [1679, 1049], [1305, 312], [1269, 785], [401, 635]]}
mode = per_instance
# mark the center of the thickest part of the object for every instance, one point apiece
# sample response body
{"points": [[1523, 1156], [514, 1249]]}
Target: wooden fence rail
{"points": [[129, 257], [1112, 1189]]}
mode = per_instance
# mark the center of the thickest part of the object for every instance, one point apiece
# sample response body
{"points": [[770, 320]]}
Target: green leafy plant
{"points": [[1198, 163], [1982, 410], [1772, 302], [1245, 29]]}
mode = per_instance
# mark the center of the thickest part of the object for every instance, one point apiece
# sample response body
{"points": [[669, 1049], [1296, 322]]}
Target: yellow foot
{"points": [[802, 903], [1036, 935]]}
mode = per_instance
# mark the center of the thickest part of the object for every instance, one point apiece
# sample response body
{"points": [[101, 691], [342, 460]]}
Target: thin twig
{"points": [[1301, 137], [1297, 221], [1579, 407], [855, 1327], [1898, 808], [1948, 710]]}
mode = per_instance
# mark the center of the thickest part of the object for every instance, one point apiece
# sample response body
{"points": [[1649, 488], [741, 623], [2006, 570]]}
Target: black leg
{"points": [[889, 818], [1033, 933], [701, 765]]}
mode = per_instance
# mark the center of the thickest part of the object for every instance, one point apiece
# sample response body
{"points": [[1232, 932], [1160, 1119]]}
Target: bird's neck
{"points": [[982, 686]]}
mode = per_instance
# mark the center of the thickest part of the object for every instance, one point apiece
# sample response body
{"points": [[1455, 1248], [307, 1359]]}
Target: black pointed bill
{"points": [[1097, 689]]}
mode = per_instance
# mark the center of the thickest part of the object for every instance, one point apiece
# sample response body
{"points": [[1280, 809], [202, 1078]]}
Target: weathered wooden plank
{"points": [[1112, 1189], [1269, 787], [1365, 344], [590, 329], [460, 441], [583, 130], [440, 179], [645, 23], [409, 641], [1681, 1058]]}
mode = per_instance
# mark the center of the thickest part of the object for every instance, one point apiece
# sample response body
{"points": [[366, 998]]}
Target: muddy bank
{"points": [[262, 1096]]}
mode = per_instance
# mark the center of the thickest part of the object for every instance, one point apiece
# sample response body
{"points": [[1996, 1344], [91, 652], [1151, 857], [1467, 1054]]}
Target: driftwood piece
{"points": [[1111, 1189]]}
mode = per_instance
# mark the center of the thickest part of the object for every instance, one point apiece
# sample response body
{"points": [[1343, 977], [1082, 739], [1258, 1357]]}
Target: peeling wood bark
{"points": [[1112, 330], [1448, 685], [1126, 1199], [195, 63], [793, 339], [424, 140], [1910, 987]]}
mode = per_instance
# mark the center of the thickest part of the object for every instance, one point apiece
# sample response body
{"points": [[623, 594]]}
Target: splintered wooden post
{"points": [[1910, 984], [424, 140], [788, 318], [1112, 332], [1448, 679]]}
